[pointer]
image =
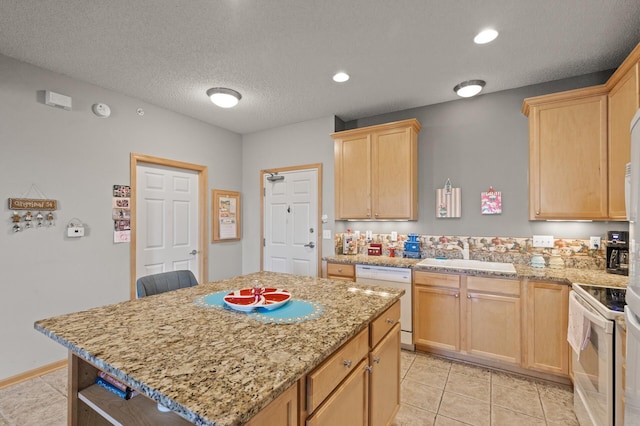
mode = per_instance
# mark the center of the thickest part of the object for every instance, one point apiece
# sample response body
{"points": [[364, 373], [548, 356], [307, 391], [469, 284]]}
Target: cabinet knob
{"points": [[469, 296], [347, 363], [339, 269], [390, 320], [368, 214], [376, 214], [376, 360], [537, 212], [457, 295], [369, 368]]}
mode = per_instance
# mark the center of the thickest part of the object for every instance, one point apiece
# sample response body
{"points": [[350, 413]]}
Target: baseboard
{"points": [[28, 375]]}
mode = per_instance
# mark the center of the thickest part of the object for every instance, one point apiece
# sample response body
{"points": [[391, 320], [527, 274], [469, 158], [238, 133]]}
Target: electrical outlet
{"points": [[326, 234], [543, 241], [394, 236], [594, 243]]}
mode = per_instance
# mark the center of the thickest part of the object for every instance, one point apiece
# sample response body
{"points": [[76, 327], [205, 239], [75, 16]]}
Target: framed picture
{"points": [[226, 215]]}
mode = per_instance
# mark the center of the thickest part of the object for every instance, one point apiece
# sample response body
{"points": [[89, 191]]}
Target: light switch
{"points": [[326, 234]]}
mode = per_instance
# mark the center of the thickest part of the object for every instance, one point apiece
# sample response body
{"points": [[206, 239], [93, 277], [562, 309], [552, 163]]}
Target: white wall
{"points": [[298, 144], [75, 158]]}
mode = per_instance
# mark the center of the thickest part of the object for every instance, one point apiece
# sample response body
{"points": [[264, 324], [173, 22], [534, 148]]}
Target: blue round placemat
{"points": [[293, 311]]}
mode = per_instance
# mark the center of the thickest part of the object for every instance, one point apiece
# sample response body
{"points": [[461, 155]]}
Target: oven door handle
{"points": [[596, 319]]}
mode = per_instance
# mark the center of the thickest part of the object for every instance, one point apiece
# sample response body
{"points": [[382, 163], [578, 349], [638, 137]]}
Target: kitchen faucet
{"points": [[464, 249]]}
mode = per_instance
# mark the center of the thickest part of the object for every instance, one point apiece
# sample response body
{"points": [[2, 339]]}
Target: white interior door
{"points": [[290, 223], [166, 219]]}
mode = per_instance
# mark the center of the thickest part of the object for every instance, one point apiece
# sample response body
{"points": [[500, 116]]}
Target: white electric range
{"points": [[596, 369]]}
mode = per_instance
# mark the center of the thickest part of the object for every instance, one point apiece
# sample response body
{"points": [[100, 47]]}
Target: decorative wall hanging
{"points": [[226, 215], [121, 213], [448, 201], [491, 201], [30, 220]]}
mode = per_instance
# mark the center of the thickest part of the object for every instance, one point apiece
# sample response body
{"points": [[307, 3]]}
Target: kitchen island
{"points": [[212, 365]]}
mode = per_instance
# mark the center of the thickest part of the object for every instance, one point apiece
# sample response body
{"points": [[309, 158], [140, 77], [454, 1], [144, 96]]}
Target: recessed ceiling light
{"points": [[341, 77], [223, 97], [485, 36], [469, 88]]}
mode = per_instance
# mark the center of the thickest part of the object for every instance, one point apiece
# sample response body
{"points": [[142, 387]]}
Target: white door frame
{"points": [[203, 258], [318, 168]]}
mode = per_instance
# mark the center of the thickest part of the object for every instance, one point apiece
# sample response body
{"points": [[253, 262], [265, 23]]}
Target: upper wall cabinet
{"points": [[624, 101], [579, 145], [568, 155], [376, 172]]}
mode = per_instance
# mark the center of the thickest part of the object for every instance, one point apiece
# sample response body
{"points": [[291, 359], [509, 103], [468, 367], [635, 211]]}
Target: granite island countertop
{"points": [[215, 366], [562, 276]]}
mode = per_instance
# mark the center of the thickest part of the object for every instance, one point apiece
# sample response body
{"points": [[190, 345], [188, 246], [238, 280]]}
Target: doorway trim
{"points": [[318, 168], [203, 246]]}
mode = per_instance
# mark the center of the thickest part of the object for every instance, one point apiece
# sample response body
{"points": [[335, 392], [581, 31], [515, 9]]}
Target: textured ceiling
{"points": [[281, 54]]}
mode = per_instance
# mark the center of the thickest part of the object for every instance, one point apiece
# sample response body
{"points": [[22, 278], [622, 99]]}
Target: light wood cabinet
{"points": [[360, 383], [623, 102], [579, 145], [341, 271], [282, 411], [384, 379], [476, 316], [568, 155], [436, 310], [348, 404], [546, 322], [493, 319], [376, 172]]}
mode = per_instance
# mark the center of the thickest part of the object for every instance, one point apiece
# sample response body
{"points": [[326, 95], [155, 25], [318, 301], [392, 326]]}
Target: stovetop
{"points": [[611, 298]]}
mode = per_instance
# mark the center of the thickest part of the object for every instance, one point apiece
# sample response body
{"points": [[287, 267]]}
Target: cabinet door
{"points": [[348, 404], [546, 323], [623, 104], [568, 159], [384, 383], [282, 411], [436, 319], [493, 327], [353, 177], [395, 174]]}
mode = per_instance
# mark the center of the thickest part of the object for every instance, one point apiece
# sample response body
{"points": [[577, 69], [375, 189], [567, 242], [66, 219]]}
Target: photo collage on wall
{"points": [[121, 213]]}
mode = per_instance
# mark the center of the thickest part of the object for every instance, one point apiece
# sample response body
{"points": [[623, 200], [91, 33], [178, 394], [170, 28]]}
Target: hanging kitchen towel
{"points": [[579, 330]]}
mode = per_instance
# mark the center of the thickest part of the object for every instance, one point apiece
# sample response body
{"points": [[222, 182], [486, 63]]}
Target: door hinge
{"points": [[264, 242], [264, 192]]}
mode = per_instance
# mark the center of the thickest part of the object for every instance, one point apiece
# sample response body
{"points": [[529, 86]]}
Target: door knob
{"points": [[310, 245], [194, 251]]}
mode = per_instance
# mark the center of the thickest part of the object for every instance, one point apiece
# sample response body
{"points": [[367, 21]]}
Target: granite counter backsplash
{"points": [[574, 253], [563, 275]]}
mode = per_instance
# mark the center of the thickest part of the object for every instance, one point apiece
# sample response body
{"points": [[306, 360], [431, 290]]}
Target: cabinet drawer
{"points": [[385, 322], [324, 379], [436, 280], [341, 270], [493, 285]]}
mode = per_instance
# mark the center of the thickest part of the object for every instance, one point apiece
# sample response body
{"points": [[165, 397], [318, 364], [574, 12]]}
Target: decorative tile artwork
{"points": [[491, 202]]}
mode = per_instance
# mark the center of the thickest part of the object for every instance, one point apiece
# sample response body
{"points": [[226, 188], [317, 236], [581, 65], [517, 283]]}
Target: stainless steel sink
{"points": [[476, 265]]}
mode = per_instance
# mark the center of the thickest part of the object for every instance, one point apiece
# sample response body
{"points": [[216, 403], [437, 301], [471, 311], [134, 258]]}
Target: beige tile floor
{"points": [[433, 392], [438, 392]]}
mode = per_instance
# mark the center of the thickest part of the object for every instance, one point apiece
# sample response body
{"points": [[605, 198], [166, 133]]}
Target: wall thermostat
{"points": [[101, 110]]}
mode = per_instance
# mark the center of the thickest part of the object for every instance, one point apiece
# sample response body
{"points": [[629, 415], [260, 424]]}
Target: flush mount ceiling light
{"points": [[341, 77], [224, 98], [485, 36], [469, 88]]}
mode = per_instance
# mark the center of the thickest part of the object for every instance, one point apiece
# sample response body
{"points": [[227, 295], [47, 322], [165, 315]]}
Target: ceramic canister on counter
{"points": [[537, 261]]}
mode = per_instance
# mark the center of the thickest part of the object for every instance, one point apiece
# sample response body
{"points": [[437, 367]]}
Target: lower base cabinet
{"points": [[493, 319], [360, 384], [282, 411], [348, 403], [546, 320], [504, 323]]}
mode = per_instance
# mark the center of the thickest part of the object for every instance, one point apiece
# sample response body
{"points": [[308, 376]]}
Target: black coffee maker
{"points": [[617, 252]]}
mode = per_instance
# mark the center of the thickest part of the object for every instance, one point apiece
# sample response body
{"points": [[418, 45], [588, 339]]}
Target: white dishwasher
{"points": [[386, 276]]}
